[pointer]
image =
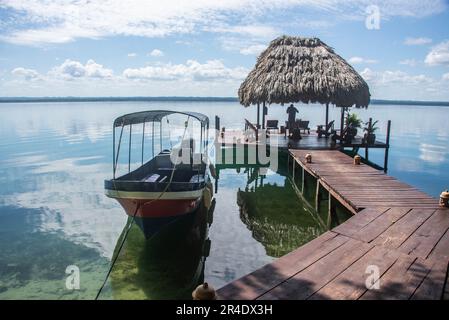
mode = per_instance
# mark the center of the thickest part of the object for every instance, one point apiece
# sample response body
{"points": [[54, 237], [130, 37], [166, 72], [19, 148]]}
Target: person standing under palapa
{"points": [[292, 111]]}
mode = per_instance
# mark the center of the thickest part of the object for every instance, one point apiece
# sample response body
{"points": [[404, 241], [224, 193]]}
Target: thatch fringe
{"points": [[294, 69]]}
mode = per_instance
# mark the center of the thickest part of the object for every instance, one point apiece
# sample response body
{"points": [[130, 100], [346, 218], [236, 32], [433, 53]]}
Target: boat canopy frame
{"points": [[152, 116]]}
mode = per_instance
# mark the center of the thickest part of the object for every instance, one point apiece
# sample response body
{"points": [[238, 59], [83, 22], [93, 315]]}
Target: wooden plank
{"points": [[351, 284], [426, 237], [432, 288], [371, 231], [394, 236], [260, 281], [401, 280], [306, 283], [358, 221], [441, 249]]}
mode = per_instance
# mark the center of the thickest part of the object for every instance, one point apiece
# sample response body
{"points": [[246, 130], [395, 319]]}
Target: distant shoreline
{"points": [[188, 99]]}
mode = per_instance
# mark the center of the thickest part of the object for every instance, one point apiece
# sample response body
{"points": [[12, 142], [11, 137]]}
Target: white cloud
{"points": [[254, 49], [417, 41], [59, 21], [191, 70], [71, 69], [397, 85], [439, 55], [360, 60], [256, 31], [445, 77], [388, 77], [409, 62], [156, 53], [27, 74], [132, 55]]}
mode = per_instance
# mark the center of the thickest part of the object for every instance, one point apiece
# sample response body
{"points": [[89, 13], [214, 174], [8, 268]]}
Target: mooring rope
{"points": [[114, 259]]}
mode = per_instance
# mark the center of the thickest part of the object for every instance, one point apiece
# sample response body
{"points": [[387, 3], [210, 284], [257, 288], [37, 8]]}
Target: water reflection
{"points": [[33, 263], [432, 153], [270, 208], [168, 266]]}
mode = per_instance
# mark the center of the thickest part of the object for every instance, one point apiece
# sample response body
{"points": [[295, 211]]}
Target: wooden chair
{"points": [[272, 125], [344, 137], [327, 131], [303, 125]]}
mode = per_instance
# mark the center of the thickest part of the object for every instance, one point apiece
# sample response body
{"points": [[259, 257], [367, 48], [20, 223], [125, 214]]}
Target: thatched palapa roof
{"points": [[295, 69]]}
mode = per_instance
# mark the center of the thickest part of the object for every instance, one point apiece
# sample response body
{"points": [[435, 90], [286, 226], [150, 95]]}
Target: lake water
{"points": [[54, 158]]}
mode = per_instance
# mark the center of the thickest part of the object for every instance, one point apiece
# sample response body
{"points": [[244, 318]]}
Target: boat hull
{"points": [[152, 213]]}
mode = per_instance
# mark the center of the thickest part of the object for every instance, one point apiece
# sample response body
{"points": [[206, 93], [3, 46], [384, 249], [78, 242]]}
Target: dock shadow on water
{"points": [[169, 265]]}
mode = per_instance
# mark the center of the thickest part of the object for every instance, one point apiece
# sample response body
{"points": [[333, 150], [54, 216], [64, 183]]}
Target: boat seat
{"points": [[152, 178], [196, 178], [155, 178]]}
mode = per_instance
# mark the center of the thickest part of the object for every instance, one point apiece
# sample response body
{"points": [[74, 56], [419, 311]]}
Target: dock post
{"points": [[327, 116], [129, 152], [302, 180], [387, 146], [143, 139], [293, 170], [331, 211], [317, 195], [113, 151], [216, 181]]}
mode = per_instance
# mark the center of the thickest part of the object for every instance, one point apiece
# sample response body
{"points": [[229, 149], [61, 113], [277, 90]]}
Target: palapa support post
{"points": [[217, 127], [327, 116], [370, 123], [342, 119], [258, 115], [387, 147], [263, 115]]}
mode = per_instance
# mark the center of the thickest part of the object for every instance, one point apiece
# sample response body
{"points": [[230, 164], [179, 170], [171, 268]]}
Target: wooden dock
{"points": [[308, 141], [358, 187], [396, 231]]}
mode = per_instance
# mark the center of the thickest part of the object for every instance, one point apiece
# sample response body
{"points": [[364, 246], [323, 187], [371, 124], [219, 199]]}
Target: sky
{"points": [[207, 47]]}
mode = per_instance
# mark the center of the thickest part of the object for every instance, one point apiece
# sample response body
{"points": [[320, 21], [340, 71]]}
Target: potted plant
{"points": [[353, 122], [370, 129]]}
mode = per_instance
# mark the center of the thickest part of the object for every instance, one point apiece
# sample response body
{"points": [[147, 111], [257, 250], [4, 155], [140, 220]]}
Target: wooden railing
{"points": [[249, 127]]}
